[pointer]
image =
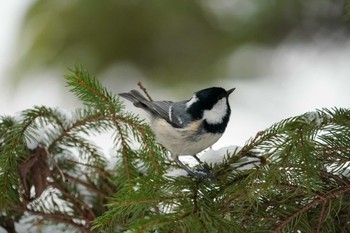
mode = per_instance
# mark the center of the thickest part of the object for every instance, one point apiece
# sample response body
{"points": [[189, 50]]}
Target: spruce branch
{"points": [[290, 176], [60, 135], [91, 92], [318, 201], [58, 218], [295, 175]]}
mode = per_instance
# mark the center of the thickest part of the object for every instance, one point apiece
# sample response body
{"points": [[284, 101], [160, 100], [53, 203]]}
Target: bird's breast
{"points": [[183, 141]]}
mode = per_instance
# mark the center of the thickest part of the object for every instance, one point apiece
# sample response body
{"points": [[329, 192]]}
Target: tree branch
{"points": [[317, 201]]}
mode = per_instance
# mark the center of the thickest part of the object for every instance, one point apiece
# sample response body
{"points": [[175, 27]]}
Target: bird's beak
{"points": [[230, 91]]}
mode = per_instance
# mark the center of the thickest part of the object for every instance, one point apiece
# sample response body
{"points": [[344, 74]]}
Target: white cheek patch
{"points": [[193, 100], [217, 113]]}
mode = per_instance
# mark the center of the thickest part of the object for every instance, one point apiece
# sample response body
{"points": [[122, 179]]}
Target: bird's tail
{"points": [[136, 98]]}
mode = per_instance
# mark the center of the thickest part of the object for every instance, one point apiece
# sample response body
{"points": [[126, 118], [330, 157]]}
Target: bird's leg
{"points": [[204, 167], [199, 161], [199, 173], [183, 166]]}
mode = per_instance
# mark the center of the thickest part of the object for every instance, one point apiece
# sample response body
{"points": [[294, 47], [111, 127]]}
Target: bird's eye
{"points": [[220, 96]]}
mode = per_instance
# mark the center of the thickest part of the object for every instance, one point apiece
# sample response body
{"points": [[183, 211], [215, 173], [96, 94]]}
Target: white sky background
{"points": [[295, 78]]}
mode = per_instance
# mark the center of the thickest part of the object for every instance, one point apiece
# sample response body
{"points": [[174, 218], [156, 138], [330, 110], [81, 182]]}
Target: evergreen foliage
{"points": [[298, 178]]}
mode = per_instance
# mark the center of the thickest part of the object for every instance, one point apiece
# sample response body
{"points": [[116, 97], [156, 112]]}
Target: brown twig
{"points": [[79, 205], [322, 217], [144, 91]]}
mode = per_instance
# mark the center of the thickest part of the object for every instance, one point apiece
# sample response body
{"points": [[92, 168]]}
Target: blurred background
{"points": [[284, 57]]}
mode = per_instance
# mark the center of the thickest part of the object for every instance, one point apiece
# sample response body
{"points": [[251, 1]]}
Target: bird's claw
{"points": [[202, 172]]}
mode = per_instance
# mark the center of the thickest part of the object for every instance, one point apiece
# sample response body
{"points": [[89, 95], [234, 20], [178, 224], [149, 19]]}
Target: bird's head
{"points": [[211, 105]]}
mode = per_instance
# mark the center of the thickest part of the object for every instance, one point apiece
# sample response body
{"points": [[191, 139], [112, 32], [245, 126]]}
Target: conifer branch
{"points": [[322, 217], [53, 217], [298, 173], [315, 202]]}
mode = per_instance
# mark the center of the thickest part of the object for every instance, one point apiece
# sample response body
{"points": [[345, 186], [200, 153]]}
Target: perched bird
{"points": [[190, 126]]}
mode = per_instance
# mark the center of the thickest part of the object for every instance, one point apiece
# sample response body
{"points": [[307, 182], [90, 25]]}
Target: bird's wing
{"points": [[165, 109], [162, 109], [135, 97]]}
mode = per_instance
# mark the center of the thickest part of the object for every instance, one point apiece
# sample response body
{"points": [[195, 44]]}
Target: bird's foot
{"points": [[202, 171]]}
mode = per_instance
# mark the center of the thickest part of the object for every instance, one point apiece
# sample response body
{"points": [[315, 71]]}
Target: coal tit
{"points": [[190, 126]]}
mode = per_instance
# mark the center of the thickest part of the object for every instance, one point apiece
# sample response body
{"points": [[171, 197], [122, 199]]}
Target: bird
{"points": [[190, 126]]}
